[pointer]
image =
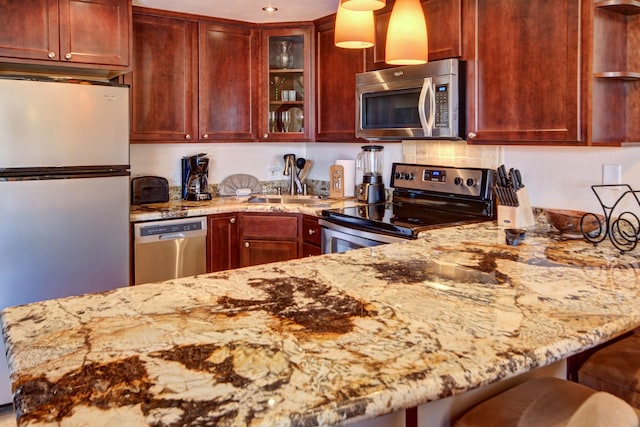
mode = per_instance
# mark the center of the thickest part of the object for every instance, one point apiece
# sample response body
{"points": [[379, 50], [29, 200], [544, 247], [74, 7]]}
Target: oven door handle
{"points": [[427, 122]]}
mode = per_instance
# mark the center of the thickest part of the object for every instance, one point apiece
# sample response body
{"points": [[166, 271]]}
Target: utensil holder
{"points": [[336, 182], [517, 216], [621, 222]]}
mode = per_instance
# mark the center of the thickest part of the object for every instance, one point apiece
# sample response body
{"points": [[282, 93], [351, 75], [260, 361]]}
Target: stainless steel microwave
{"points": [[412, 102]]}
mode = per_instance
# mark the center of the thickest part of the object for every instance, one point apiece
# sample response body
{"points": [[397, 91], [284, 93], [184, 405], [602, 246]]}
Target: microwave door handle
{"points": [[427, 90]]}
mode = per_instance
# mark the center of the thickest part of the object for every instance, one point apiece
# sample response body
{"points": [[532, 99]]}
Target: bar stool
{"points": [[545, 402], [615, 369]]}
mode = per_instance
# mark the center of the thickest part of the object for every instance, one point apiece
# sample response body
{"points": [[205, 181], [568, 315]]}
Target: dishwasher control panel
{"points": [[156, 228]]}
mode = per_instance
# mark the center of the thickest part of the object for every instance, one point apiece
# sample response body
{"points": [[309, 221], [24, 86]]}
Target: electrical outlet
{"points": [[611, 174], [274, 171]]}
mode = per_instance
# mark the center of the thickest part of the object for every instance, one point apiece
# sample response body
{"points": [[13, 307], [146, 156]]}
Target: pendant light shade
{"points": [[354, 29], [407, 39], [363, 5]]}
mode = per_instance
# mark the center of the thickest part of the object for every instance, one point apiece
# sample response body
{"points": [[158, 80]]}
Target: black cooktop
{"points": [[397, 220]]}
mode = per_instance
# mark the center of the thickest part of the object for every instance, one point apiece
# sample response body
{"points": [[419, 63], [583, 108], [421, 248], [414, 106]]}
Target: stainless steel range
{"points": [[424, 197]]}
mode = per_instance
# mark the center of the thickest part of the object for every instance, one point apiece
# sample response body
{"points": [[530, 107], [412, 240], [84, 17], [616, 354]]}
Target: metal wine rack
{"points": [[620, 223]]}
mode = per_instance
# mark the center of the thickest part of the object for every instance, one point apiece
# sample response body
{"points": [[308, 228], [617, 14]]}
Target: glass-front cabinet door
{"points": [[287, 115]]}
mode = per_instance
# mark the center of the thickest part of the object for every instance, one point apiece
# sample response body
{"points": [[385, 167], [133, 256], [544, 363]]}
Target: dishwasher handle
{"points": [[172, 236]]}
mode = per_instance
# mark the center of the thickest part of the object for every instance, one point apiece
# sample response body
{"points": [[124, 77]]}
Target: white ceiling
{"points": [[248, 10]]}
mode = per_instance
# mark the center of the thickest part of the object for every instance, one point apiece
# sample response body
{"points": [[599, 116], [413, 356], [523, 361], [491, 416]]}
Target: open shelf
{"points": [[624, 7]]}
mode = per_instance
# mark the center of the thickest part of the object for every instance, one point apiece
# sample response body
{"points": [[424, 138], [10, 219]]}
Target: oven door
{"points": [[338, 238]]}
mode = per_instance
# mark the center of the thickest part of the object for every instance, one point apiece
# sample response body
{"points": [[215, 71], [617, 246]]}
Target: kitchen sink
{"points": [[286, 199]]}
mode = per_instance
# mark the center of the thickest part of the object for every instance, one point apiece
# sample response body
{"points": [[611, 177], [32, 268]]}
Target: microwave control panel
{"points": [[442, 106]]}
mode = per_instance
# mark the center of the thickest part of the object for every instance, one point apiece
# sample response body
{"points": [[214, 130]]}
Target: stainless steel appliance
{"points": [[424, 197], [64, 187], [416, 101], [169, 249], [195, 178], [371, 190]]}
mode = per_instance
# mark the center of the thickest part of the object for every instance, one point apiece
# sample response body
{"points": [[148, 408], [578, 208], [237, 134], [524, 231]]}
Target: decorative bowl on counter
{"points": [[568, 221]]}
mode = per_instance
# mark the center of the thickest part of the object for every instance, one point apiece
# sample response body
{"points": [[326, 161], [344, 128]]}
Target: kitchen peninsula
{"points": [[322, 340]]}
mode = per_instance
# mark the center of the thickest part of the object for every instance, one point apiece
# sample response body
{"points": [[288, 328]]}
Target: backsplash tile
{"points": [[451, 153]]}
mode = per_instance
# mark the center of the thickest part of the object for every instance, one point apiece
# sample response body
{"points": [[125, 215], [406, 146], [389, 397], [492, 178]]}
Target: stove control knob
{"points": [[470, 182], [457, 181], [398, 175], [408, 176]]}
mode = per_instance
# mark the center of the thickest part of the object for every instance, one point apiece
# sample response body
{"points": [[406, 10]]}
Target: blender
{"points": [[195, 178], [370, 161]]}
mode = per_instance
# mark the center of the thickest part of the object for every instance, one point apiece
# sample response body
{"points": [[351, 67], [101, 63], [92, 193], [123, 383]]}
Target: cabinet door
{"points": [[163, 87], [222, 242], [335, 87], [228, 100], [286, 108], [95, 31], [268, 238], [29, 29], [256, 252], [444, 25], [311, 236], [523, 79]]}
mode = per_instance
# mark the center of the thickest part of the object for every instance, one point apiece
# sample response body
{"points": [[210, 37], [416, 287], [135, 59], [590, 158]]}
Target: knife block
{"points": [[517, 216]]}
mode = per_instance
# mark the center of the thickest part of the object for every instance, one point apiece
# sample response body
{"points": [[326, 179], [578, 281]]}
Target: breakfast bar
{"points": [[325, 340]]}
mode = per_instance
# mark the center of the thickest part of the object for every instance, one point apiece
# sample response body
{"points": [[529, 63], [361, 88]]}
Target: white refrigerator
{"points": [[64, 192]]}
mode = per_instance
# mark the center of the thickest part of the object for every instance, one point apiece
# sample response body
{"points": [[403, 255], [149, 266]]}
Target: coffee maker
{"points": [[372, 188], [195, 178]]}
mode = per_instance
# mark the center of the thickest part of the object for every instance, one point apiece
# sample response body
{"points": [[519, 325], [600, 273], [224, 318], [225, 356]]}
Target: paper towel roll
{"points": [[349, 167]]}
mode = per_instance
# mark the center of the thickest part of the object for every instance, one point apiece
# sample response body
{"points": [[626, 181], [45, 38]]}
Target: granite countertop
{"points": [[224, 204], [320, 340]]}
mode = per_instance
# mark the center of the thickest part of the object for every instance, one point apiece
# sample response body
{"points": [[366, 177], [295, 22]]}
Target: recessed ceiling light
{"points": [[270, 9]]}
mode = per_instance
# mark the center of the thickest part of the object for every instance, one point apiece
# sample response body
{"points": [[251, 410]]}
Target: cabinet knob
{"points": [[312, 232], [265, 136], [233, 220], [68, 56], [205, 136], [187, 136], [51, 55], [246, 244], [472, 135]]}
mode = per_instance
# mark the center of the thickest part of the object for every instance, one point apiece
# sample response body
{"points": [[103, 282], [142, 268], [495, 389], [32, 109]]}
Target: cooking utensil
{"points": [[305, 170], [300, 162], [518, 178]]}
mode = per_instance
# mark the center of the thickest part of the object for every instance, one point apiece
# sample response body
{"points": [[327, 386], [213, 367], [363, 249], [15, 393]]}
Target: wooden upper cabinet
{"points": [[523, 79], [227, 96], [444, 25], [283, 117], [164, 81], [95, 32], [29, 29], [336, 70]]}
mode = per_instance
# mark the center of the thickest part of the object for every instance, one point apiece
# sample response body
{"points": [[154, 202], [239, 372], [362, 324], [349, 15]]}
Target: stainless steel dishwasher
{"points": [[169, 249]]}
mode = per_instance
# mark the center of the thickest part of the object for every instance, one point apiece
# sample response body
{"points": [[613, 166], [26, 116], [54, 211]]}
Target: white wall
{"points": [[225, 159], [251, 158], [561, 177], [555, 177]]}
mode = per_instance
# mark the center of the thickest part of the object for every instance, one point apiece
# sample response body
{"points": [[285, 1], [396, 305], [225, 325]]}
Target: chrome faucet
{"points": [[290, 170]]}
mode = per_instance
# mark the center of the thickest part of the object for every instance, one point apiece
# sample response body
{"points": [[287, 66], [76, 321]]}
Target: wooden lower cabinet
{"points": [[267, 237], [252, 238], [311, 236], [222, 242]]}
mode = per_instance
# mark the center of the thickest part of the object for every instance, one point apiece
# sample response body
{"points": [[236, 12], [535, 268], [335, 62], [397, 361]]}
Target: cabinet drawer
{"points": [[276, 227], [311, 230]]}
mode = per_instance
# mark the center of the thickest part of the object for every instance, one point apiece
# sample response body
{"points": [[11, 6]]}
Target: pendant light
{"points": [[407, 39], [354, 29], [362, 5]]}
